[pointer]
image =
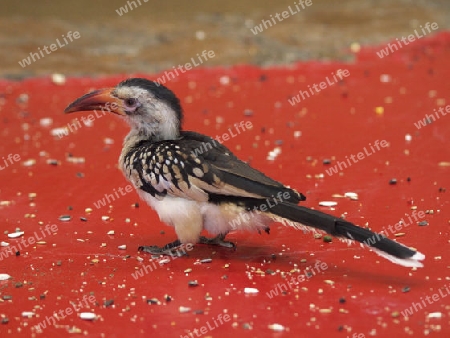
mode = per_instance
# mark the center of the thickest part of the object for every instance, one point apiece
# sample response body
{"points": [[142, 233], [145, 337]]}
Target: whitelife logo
{"points": [[341, 165], [280, 17], [428, 119], [247, 215], [415, 307], [61, 314], [12, 249], [393, 47], [170, 75], [317, 88], [307, 274], [11, 159], [238, 128], [394, 229], [87, 121], [53, 47], [130, 5]]}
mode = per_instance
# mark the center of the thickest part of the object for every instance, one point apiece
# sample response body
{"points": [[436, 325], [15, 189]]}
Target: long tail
{"points": [[393, 251]]}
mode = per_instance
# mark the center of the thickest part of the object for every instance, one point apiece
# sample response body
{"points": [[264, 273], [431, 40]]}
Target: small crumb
{"points": [[16, 234], [184, 309], [435, 315], [327, 203], [250, 290], [4, 276], [276, 327], [393, 181], [206, 260], [88, 315], [193, 283], [327, 238]]}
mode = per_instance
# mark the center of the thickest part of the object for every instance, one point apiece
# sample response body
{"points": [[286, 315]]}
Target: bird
{"points": [[212, 190]]}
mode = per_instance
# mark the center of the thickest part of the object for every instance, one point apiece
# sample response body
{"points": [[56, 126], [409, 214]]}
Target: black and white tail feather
{"points": [[306, 219]]}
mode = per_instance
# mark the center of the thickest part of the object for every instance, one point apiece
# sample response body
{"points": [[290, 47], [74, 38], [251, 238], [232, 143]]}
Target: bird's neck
{"points": [[151, 133]]}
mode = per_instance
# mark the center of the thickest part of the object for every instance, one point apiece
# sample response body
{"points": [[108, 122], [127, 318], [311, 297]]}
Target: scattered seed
{"points": [[52, 161], [88, 210], [400, 234], [105, 218], [122, 247], [276, 327], [351, 195], [188, 270], [326, 161], [251, 290], [395, 314], [3, 244], [327, 238], [83, 219], [46, 122], [193, 283], [108, 302], [342, 300], [110, 232], [108, 140], [16, 234], [435, 315], [393, 181], [379, 110], [329, 282], [29, 163], [6, 297], [422, 223], [88, 315], [325, 310], [206, 260], [27, 314], [164, 261], [317, 236], [153, 301], [327, 203], [406, 289], [65, 218], [5, 320], [184, 309], [167, 298]]}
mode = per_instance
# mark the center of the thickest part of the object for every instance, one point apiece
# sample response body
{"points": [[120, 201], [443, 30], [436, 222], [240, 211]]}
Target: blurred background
{"points": [[155, 35]]}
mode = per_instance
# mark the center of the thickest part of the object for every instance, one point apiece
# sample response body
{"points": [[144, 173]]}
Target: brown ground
{"points": [[158, 35]]}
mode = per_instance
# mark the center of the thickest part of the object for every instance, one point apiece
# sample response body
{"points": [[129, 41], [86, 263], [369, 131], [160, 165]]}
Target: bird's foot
{"points": [[218, 240], [170, 249]]}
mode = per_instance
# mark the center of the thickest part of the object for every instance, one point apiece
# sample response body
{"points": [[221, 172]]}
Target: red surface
{"points": [[338, 122]]}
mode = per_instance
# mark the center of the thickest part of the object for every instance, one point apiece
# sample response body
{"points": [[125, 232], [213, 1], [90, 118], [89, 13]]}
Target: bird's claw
{"points": [[218, 240], [170, 249]]}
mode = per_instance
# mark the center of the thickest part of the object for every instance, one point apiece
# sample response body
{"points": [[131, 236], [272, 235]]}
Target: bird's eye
{"points": [[130, 102]]}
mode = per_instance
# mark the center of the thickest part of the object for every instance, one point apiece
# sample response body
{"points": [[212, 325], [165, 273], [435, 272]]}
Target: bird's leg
{"points": [[218, 240], [169, 249]]}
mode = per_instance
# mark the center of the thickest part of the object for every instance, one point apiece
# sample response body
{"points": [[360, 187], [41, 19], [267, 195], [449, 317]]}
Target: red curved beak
{"points": [[101, 99]]}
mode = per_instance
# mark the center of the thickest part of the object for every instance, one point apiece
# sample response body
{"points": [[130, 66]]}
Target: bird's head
{"points": [[152, 110]]}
